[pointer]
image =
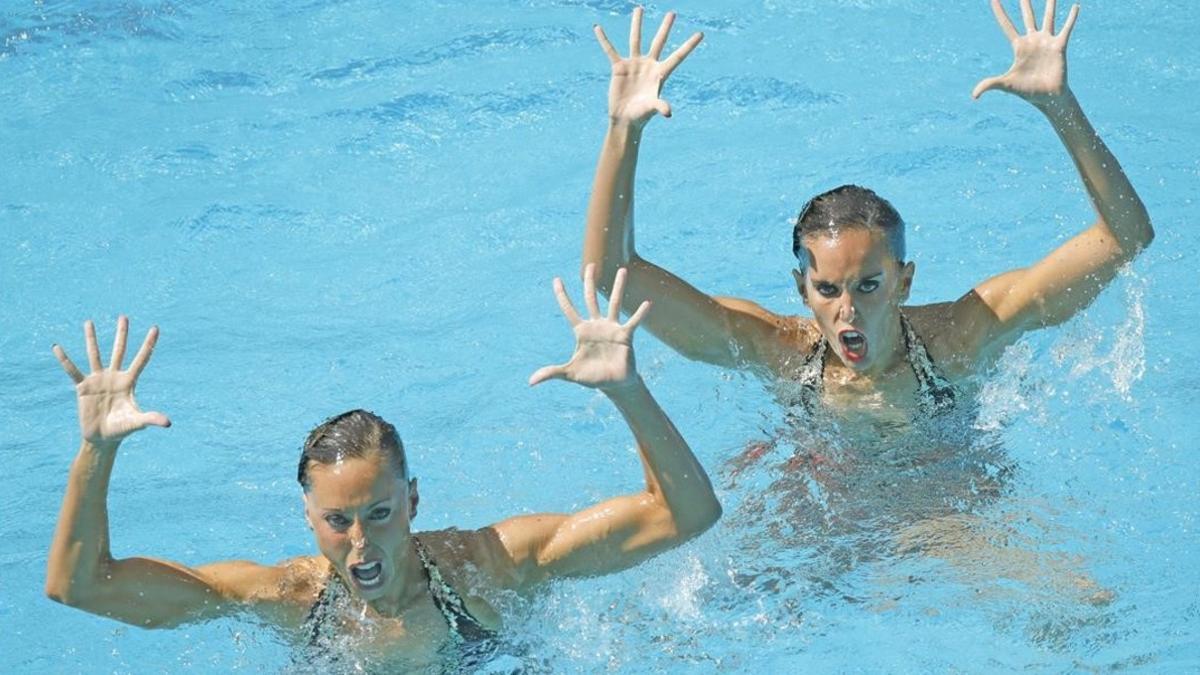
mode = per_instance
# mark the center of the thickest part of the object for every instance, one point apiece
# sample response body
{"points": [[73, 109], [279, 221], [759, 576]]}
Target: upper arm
{"points": [[154, 593], [728, 332], [1051, 291], [608, 537]]}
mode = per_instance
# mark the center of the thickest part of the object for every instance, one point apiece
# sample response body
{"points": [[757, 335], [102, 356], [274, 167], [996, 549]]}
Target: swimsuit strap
{"points": [[935, 391], [322, 612], [463, 626], [811, 376]]}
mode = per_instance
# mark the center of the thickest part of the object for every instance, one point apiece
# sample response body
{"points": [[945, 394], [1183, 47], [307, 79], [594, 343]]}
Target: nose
{"points": [[846, 310], [358, 535]]}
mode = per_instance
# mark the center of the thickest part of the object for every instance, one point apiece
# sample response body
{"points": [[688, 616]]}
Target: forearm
{"points": [[673, 474], [80, 549], [1118, 205], [608, 239]]}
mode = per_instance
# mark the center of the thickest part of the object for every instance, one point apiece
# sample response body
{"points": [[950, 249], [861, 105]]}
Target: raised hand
{"points": [[107, 410], [637, 81], [603, 357], [1039, 70]]}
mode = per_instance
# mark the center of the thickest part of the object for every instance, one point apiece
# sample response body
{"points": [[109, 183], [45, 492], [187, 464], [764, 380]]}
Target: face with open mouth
{"points": [[360, 512], [854, 287]]}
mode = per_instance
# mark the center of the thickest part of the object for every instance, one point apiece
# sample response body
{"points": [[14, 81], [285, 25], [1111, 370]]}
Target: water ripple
{"points": [[210, 80], [459, 47], [753, 92], [107, 21]]}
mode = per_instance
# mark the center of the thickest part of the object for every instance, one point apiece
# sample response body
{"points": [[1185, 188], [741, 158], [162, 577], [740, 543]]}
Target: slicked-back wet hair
{"points": [[844, 207], [357, 433]]}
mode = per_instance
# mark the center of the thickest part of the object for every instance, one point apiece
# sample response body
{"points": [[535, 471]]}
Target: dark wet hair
{"points": [[845, 207], [357, 433]]}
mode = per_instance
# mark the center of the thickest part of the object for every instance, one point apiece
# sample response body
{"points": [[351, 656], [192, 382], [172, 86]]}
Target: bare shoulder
{"points": [[255, 581], [282, 592], [466, 551], [471, 561], [784, 336], [944, 335]]}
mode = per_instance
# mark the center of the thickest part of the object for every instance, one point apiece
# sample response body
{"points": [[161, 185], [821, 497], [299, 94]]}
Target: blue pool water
{"points": [[329, 205]]}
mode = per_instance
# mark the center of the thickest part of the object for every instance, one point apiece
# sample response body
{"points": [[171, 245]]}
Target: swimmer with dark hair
{"points": [[389, 591], [863, 343]]}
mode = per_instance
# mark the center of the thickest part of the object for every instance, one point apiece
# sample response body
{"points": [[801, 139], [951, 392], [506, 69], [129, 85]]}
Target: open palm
{"points": [[637, 81], [107, 409], [603, 357], [1039, 69]]}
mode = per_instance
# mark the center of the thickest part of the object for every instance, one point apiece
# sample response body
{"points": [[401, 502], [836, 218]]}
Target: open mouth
{"points": [[367, 574], [854, 345]]}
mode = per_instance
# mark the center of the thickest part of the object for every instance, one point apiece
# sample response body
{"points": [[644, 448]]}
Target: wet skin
{"points": [[361, 513], [854, 284]]}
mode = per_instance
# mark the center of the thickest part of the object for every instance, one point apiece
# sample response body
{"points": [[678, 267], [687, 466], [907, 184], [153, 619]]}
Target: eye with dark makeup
{"points": [[381, 513], [868, 285], [337, 521], [827, 290]]}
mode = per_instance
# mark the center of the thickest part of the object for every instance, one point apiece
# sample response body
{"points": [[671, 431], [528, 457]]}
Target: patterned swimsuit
{"points": [[935, 394], [465, 630]]}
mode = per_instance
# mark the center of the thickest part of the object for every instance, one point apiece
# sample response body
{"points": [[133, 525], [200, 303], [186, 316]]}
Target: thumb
{"points": [[155, 419], [662, 107], [547, 373], [987, 84]]}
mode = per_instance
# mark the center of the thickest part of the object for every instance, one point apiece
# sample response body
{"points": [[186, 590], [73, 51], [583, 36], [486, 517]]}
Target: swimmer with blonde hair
{"points": [[396, 594]]}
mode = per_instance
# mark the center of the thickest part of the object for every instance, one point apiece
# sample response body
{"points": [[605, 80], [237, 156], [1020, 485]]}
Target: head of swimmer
{"points": [[358, 499], [849, 242]]}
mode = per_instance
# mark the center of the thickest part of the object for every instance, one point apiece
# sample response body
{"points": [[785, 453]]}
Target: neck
{"points": [[407, 587], [892, 361]]}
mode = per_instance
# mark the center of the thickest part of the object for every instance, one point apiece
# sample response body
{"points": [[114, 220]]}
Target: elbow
{"points": [[59, 594], [606, 269], [66, 593], [699, 520], [1142, 236], [1136, 235], [1147, 236]]}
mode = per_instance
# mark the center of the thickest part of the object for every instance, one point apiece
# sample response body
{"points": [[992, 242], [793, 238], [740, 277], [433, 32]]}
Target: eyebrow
{"points": [[815, 280], [369, 508]]}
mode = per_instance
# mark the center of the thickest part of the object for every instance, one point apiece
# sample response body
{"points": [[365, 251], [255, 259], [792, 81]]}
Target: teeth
{"points": [[854, 341], [367, 573]]}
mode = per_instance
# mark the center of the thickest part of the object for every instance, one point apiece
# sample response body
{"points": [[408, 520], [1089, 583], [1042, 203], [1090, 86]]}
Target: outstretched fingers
{"points": [[154, 419], [1006, 24], [93, 347], [614, 300], [637, 316], [987, 84], [67, 364], [589, 291], [143, 356], [1048, 16], [1069, 24], [672, 62], [547, 373], [635, 33], [118, 351], [660, 38], [609, 50], [1027, 16], [564, 303]]}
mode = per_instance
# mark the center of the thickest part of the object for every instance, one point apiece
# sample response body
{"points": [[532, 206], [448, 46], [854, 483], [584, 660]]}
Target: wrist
{"points": [[1058, 106], [103, 447], [621, 127], [630, 387]]}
